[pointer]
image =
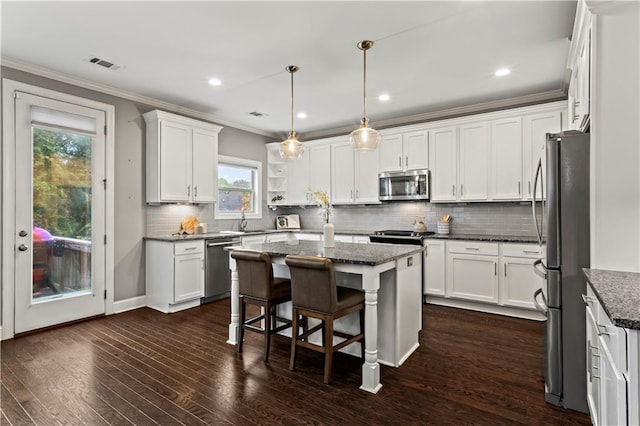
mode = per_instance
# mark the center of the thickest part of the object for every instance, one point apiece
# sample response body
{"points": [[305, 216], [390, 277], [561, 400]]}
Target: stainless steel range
{"points": [[392, 236]]}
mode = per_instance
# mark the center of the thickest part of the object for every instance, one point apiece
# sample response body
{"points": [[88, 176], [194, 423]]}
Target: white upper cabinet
{"points": [[205, 176], [506, 159], [579, 84], [182, 159], [354, 175], [443, 147], [320, 168], [486, 157], [343, 173], [298, 180], [366, 177], [407, 151], [535, 129], [473, 162]]}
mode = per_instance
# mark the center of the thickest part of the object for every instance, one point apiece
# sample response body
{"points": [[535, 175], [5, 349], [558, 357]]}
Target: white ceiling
{"points": [[428, 56]]}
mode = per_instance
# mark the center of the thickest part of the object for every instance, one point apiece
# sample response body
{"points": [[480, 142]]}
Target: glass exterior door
{"points": [[59, 212]]}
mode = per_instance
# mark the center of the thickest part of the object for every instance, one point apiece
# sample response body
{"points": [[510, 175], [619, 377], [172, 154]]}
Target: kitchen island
{"points": [[391, 277]]}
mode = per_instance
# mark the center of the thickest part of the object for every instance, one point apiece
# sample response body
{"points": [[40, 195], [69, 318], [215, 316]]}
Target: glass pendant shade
{"points": [[291, 148], [364, 138]]}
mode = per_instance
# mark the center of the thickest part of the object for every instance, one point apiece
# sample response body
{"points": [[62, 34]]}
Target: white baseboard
{"points": [[129, 304], [484, 307]]}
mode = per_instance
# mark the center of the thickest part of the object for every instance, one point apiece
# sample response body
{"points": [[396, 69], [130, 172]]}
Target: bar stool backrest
{"points": [[313, 283], [255, 273]]}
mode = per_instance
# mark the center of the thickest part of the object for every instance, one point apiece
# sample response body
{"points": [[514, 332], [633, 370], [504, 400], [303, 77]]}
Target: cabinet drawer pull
{"points": [[195, 191], [602, 333], [495, 268], [188, 190], [406, 161], [472, 248], [462, 189], [531, 251], [190, 248], [453, 191], [519, 190], [400, 161], [505, 269]]}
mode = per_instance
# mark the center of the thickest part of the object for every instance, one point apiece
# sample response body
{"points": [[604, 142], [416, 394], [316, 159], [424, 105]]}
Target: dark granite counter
{"points": [[487, 238], [353, 253], [211, 235], [338, 231], [619, 294]]}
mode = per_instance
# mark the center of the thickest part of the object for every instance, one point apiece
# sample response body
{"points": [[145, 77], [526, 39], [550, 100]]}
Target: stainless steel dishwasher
{"points": [[218, 276]]}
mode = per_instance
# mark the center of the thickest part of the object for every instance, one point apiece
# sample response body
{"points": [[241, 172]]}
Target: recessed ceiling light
{"points": [[302, 115], [502, 72], [215, 82], [384, 97]]}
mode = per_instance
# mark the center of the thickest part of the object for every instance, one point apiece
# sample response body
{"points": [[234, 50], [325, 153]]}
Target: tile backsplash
{"points": [[471, 218]]}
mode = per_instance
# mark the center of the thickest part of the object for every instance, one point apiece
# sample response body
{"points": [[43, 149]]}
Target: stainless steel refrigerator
{"points": [[562, 223]]}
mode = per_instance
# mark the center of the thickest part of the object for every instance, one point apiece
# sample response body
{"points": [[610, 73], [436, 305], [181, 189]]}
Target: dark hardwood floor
{"points": [[143, 367]]}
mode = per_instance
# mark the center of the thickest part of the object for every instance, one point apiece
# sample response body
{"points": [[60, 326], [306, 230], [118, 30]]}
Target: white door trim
{"points": [[9, 87]]}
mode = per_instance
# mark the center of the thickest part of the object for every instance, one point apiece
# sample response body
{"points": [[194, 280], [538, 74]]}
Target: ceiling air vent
{"points": [[256, 114], [104, 63]]}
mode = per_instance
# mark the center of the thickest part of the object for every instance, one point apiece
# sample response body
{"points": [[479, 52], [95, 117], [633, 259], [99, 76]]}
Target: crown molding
{"points": [[521, 101], [102, 88]]}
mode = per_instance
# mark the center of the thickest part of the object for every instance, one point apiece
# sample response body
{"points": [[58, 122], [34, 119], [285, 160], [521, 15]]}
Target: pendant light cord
{"points": [[364, 87], [291, 102]]}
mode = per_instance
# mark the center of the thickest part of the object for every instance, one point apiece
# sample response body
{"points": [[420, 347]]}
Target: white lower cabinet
{"points": [[174, 274], [518, 282], [472, 271], [434, 267], [608, 369], [498, 275]]}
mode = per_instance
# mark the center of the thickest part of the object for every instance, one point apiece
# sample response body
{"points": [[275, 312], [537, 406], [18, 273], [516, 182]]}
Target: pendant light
{"points": [[365, 138], [291, 148]]}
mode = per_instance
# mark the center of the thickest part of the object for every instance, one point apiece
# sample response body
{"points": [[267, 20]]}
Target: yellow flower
{"points": [[322, 200]]}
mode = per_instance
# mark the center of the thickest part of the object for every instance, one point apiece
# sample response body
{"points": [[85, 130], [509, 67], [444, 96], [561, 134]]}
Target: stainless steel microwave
{"points": [[407, 185]]}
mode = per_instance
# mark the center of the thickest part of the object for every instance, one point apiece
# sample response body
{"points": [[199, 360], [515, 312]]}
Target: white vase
{"points": [[327, 235]]}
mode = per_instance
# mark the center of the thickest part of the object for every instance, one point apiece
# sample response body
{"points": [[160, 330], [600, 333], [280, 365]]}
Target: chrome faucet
{"points": [[243, 221]]}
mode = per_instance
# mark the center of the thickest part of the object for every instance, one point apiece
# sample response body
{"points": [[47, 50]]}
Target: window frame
{"points": [[257, 188]]}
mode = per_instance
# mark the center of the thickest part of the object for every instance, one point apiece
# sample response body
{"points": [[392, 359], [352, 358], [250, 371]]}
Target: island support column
{"points": [[371, 367], [234, 326]]}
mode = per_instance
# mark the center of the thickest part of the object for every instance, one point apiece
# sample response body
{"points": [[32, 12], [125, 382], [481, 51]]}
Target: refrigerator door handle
{"points": [[542, 308], [539, 226], [542, 273]]}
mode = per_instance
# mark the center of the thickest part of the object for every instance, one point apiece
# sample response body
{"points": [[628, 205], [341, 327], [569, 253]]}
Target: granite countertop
{"points": [[211, 235], [359, 232], [619, 294], [488, 238], [353, 253]]}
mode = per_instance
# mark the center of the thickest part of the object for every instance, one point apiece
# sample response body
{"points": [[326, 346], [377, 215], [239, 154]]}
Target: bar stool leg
{"points": [[328, 347], [294, 337], [267, 330]]}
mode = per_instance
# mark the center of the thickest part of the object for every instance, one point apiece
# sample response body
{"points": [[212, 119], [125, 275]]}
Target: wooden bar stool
{"points": [[259, 287], [315, 295]]}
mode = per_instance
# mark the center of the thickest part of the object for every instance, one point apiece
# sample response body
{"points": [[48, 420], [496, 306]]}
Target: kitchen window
{"points": [[239, 188]]}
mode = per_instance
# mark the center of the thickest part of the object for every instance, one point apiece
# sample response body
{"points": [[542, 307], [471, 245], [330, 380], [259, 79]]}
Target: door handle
{"points": [[540, 308], [23, 247], [538, 271]]}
